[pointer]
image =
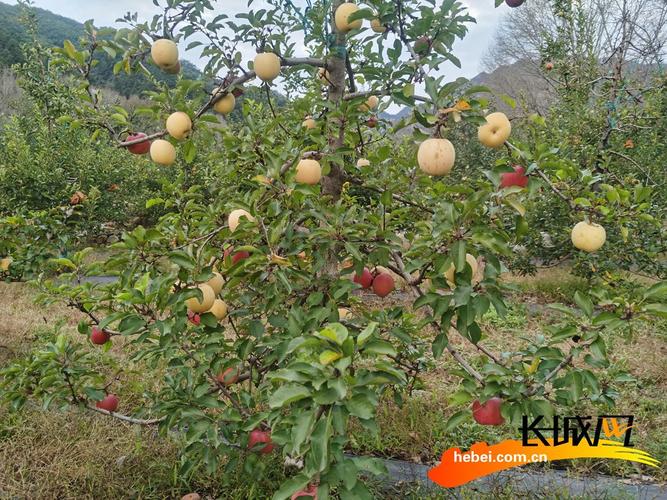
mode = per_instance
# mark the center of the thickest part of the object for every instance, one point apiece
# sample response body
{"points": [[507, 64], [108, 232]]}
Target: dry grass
{"points": [[21, 319], [73, 454]]}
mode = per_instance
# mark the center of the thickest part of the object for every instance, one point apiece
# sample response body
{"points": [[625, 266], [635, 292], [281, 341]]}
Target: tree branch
{"points": [[125, 418], [454, 353]]}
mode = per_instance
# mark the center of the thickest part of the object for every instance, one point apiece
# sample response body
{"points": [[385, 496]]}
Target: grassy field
{"points": [[75, 454]]}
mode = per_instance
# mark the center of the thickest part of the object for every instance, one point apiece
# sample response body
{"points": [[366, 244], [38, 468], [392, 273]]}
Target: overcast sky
{"points": [[105, 13]]}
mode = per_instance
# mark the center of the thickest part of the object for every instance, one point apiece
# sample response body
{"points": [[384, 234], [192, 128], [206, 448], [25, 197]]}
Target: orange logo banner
{"points": [[457, 468]]}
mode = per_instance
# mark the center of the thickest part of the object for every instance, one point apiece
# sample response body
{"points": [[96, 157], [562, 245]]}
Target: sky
{"points": [[105, 13]]}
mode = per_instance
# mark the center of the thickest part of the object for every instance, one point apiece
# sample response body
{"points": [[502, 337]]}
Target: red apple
{"points": [[489, 412], [140, 148], [365, 279], [383, 284], [260, 436], [99, 336], [109, 403], [549, 66], [516, 178], [237, 256], [309, 492], [229, 376], [514, 3], [372, 122], [194, 318]]}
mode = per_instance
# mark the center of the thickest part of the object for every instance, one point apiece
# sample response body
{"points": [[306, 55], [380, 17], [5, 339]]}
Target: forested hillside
{"points": [[53, 30]]}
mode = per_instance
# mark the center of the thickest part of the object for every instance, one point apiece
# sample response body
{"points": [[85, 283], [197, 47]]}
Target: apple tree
{"points": [[314, 259]]}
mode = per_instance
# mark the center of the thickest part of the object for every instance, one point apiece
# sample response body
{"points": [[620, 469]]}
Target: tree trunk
{"points": [[332, 184]]}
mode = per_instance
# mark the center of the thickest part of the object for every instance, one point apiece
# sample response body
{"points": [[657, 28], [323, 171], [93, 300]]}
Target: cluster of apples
{"points": [[209, 303], [382, 283], [436, 157], [343, 23], [99, 336]]}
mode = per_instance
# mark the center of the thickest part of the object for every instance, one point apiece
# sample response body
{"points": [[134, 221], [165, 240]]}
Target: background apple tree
{"points": [[293, 348]]}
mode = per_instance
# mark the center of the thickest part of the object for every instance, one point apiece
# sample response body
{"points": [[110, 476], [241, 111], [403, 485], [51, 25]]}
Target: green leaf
{"points": [[516, 205], [287, 394], [457, 419], [70, 50], [657, 291], [131, 324], [360, 406], [291, 486], [598, 349], [509, 101], [584, 303], [319, 444], [460, 397], [659, 309], [301, 430], [373, 465], [335, 332], [439, 344], [62, 262], [367, 333], [183, 260], [154, 201], [380, 347]]}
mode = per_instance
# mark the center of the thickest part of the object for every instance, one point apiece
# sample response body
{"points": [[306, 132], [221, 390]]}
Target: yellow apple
{"points": [[496, 130], [450, 274], [436, 156], [208, 297], [309, 123], [588, 237], [267, 66], [371, 103], [216, 283], [165, 53], [363, 162], [226, 104], [219, 309], [179, 125], [343, 13], [308, 172], [5, 263], [235, 216], [163, 152], [377, 26]]}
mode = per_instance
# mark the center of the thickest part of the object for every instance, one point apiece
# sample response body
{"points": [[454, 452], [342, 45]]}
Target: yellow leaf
{"points": [[462, 105], [329, 357]]}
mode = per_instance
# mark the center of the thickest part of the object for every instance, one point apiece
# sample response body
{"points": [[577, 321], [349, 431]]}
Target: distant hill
{"points": [[53, 30], [522, 81]]}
